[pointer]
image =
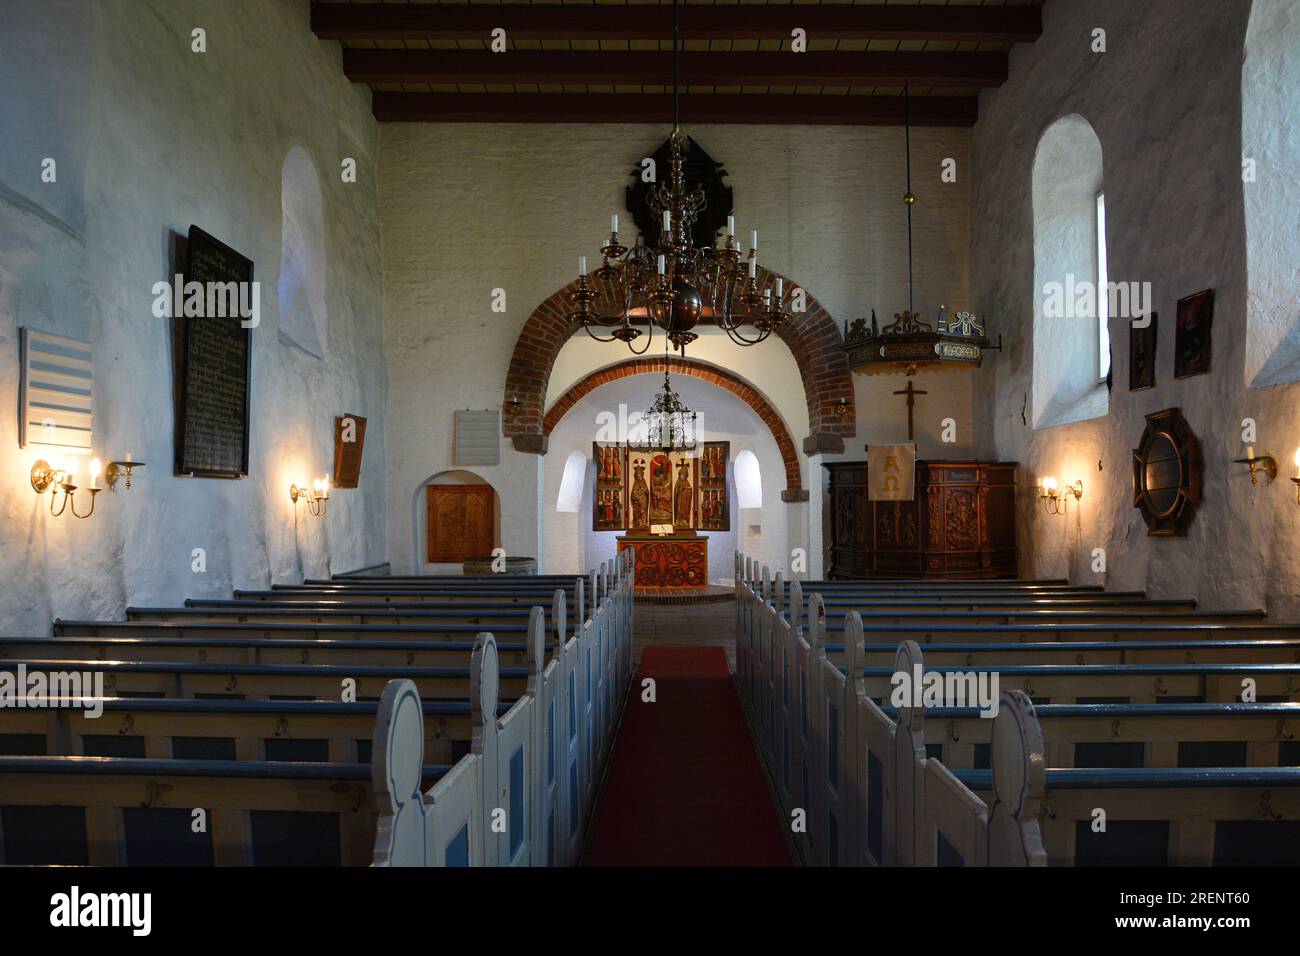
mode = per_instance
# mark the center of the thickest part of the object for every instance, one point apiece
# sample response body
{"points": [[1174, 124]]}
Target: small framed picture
{"points": [[1192, 334], [1142, 352]]}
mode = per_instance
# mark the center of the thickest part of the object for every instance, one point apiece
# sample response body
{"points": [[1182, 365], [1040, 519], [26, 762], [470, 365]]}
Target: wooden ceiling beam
{"points": [[637, 67], [420, 21], [696, 108]]}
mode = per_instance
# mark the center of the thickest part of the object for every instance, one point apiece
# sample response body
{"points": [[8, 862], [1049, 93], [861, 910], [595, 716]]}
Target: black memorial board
{"points": [[212, 433]]}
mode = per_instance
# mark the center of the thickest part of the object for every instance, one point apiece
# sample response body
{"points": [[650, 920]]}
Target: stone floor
{"points": [[695, 624]]}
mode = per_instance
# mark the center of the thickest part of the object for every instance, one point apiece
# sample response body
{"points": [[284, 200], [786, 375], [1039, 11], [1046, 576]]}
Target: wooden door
{"points": [[460, 522]]}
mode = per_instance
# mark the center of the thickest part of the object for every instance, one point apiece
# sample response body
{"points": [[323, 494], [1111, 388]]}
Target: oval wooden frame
{"points": [[1170, 425]]}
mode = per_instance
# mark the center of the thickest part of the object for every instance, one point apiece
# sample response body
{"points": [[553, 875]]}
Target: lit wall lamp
{"points": [[513, 408], [1056, 501], [1296, 479], [58, 477], [318, 498], [1265, 463]]}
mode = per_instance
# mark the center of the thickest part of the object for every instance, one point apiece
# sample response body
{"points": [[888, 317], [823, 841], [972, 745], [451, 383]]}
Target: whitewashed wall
{"points": [[1166, 103], [571, 544], [469, 208], [150, 137]]}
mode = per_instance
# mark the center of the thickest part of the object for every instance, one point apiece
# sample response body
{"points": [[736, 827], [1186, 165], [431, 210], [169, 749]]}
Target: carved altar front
{"points": [[669, 561], [961, 523]]}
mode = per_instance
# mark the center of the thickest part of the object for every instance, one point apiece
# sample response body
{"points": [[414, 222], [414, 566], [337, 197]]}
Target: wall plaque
{"points": [[215, 369], [349, 443]]}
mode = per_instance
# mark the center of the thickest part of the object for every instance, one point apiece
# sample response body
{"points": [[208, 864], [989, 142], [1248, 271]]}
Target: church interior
{"points": [[663, 433]]}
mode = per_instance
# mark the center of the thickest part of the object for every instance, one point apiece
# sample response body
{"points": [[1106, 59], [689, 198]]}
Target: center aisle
{"points": [[685, 787]]}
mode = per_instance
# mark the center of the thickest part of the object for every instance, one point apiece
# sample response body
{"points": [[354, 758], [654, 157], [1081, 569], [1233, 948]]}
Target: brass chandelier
{"points": [[672, 285], [670, 424], [910, 343]]}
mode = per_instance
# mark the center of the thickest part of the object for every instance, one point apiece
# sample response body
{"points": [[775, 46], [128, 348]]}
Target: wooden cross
{"points": [[911, 394]]}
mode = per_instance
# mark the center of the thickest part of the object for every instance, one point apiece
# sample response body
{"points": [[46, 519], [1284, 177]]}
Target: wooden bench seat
{"points": [[1091, 652], [106, 811], [1170, 816], [308, 681], [186, 728], [489, 616], [1129, 735], [1186, 630], [302, 630], [254, 646], [1099, 614], [1123, 683], [525, 597]]}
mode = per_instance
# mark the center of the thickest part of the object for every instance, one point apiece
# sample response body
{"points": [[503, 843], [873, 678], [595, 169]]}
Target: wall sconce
{"points": [[121, 469], [842, 408], [1296, 479], [57, 478], [317, 498], [1056, 501], [1264, 463], [512, 408]]}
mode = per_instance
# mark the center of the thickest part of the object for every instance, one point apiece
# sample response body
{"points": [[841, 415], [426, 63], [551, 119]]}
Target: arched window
{"points": [[1071, 341], [749, 484], [1270, 153], [303, 274], [570, 498]]}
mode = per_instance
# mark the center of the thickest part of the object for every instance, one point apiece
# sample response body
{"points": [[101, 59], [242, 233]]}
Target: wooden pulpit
{"points": [[960, 524]]}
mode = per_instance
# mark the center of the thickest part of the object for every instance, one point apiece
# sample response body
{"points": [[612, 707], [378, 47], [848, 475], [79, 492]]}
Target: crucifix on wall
{"points": [[911, 394]]}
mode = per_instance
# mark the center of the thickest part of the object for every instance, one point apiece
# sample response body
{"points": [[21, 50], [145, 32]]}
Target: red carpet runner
{"points": [[685, 787]]}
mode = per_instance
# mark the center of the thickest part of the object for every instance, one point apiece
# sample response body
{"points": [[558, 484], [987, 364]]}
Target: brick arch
{"points": [[812, 337], [701, 370]]}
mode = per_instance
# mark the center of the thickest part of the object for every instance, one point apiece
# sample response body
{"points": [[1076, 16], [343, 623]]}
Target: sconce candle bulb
{"points": [[1055, 502]]}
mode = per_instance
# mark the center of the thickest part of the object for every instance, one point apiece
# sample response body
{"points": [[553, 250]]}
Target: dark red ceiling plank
{"points": [[697, 108], [421, 21], [973, 70]]}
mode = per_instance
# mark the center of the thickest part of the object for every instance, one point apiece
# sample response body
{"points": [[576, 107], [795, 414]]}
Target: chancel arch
{"points": [[576, 539], [812, 337], [720, 377]]}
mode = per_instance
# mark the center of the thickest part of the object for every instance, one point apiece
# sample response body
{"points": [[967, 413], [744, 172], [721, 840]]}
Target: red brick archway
{"points": [[702, 370], [812, 337]]}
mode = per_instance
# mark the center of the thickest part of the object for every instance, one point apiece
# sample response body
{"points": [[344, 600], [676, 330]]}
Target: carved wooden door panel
{"points": [[460, 522]]}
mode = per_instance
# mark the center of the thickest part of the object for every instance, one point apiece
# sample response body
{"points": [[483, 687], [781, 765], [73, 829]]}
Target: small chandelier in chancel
{"points": [[670, 424]]}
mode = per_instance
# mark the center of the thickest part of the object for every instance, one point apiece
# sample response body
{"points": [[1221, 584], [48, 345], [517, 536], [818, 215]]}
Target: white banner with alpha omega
{"points": [[891, 472]]}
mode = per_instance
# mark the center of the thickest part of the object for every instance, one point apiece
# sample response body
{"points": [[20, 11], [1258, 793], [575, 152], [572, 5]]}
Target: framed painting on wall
{"points": [[1142, 355], [1192, 334]]}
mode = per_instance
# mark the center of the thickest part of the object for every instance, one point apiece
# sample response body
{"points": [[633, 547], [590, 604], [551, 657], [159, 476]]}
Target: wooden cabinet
{"points": [[961, 523]]}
